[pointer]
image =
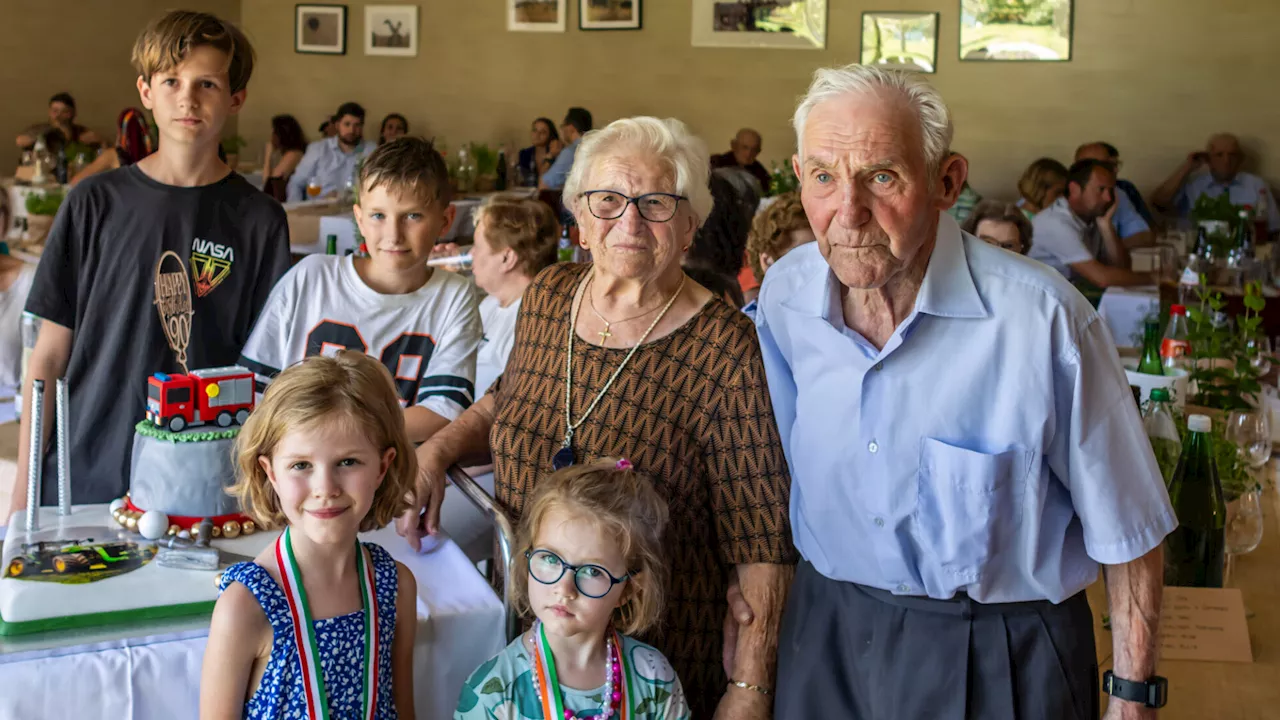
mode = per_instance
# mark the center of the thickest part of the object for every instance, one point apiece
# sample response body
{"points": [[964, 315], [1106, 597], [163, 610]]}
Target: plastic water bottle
{"points": [[1162, 431]]}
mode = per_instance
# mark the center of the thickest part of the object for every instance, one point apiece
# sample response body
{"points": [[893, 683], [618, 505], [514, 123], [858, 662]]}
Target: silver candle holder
{"points": [[35, 456], [62, 418]]}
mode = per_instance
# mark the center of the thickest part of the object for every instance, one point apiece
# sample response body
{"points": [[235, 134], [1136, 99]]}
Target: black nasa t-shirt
{"points": [[96, 277]]}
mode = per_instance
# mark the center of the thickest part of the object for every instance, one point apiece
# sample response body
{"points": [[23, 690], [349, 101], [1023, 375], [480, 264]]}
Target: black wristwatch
{"points": [[1153, 693]]}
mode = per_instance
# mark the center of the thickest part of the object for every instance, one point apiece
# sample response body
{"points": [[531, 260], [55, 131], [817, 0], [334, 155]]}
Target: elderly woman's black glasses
{"points": [[592, 581], [654, 207]]}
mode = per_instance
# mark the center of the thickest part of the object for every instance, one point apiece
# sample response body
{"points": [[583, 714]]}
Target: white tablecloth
{"points": [[1124, 309], [153, 672]]}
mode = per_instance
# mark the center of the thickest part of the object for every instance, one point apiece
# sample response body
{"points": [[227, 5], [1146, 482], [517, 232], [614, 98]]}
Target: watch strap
{"points": [[1153, 693]]}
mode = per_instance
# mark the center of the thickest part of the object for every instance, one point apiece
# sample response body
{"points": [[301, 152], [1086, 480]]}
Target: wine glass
{"points": [[1259, 349], [1250, 430], [1244, 523]]}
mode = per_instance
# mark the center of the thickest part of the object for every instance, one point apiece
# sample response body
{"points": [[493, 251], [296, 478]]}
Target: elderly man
{"points": [[1131, 219], [744, 148], [1223, 157], [964, 451], [332, 161], [1079, 229]]}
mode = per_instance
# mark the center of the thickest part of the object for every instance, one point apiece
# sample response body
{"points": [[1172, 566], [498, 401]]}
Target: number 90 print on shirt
{"points": [[427, 339]]}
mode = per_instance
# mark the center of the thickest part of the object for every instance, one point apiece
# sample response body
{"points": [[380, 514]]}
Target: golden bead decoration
{"points": [[195, 530], [217, 531], [248, 528], [132, 523], [230, 529], [174, 529]]}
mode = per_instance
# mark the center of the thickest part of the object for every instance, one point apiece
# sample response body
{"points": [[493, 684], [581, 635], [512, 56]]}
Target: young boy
{"points": [[94, 285], [421, 323]]}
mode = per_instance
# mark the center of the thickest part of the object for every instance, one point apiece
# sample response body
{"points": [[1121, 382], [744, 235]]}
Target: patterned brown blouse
{"points": [[691, 411]]}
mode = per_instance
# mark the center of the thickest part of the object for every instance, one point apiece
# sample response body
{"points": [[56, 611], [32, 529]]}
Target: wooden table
{"points": [[1219, 690]]}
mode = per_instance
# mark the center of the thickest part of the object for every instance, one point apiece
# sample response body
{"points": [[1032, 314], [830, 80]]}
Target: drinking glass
{"points": [[313, 188], [1259, 349], [1250, 430], [1244, 523]]}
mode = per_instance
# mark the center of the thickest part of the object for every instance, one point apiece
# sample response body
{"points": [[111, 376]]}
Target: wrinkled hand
{"points": [[738, 615], [739, 704], [423, 516], [1123, 710]]}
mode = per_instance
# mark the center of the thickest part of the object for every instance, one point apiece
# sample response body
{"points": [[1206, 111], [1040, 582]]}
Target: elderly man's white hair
{"points": [[668, 140], [935, 118]]}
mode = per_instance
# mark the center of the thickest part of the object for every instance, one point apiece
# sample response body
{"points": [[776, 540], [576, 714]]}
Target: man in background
{"points": [[577, 122], [1132, 220], [62, 119], [1223, 158], [331, 162], [744, 148]]}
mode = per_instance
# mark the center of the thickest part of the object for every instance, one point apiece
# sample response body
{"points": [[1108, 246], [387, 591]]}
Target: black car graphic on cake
{"points": [[78, 560]]}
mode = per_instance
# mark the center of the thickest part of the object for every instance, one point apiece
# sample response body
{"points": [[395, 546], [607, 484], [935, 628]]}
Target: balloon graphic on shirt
{"points": [[173, 302], [649, 664]]}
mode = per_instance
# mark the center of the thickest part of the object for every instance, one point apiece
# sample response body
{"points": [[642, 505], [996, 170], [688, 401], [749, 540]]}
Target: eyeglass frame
{"points": [[632, 201], [564, 566]]}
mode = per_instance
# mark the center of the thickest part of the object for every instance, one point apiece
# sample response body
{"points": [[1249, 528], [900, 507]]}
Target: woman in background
{"points": [[1001, 224], [535, 159], [288, 140], [393, 126], [133, 142], [1041, 185]]}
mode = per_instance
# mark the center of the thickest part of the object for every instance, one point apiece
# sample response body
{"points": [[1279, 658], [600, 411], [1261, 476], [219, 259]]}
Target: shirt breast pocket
{"points": [[969, 509]]}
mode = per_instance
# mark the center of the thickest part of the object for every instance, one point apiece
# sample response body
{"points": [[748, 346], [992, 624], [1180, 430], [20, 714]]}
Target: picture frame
{"points": [[320, 29], [900, 40], [391, 30], [1032, 31], [610, 14], [783, 24], [536, 15]]}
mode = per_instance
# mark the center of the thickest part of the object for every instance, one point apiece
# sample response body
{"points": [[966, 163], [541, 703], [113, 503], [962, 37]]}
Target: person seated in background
{"points": [[744, 148], [1223, 158], [776, 231], [288, 141], [331, 162], [393, 126], [577, 122], [965, 203], [133, 142], [1111, 154], [515, 239], [1041, 184], [62, 118], [716, 254], [1001, 224], [539, 156], [1075, 233], [1129, 223]]}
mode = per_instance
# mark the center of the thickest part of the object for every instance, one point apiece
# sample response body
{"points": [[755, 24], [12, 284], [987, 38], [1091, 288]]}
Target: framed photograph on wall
{"points": [[906, 41], [320, 29], [391, 30], [1029, 30], [794, 24], [609, 14], [536, 15]]}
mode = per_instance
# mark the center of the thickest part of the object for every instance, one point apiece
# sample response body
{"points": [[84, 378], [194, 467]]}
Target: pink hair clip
{"points": [[623, 464]]}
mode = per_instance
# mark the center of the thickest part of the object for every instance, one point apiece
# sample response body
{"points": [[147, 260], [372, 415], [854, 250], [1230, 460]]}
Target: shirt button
{"points": [[879, 366], [873, 447], [904, 588], [879, 522]]}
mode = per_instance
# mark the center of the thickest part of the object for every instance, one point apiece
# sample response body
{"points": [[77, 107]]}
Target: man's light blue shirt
{"points": [[1126, 221], [556, 175], [991, 447], [1244, 189], [326, 162]]}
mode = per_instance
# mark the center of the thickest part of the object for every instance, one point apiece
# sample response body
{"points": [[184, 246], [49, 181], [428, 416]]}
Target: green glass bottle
{"points": [[1150, 363], [1195, 553]]}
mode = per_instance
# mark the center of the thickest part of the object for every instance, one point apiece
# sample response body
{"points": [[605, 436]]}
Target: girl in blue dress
{"points": [[589, 566], [318, 625]]}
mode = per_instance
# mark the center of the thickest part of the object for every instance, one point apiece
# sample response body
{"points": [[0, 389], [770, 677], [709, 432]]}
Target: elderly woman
{"points": [[663, 374], [1001, 224], [1041, 184]]}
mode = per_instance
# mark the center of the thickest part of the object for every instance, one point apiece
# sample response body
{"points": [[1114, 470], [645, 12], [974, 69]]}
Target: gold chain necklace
{"points": [[564, 457], [605, 334]]}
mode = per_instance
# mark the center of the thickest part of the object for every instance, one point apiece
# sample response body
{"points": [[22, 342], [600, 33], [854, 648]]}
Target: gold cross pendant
{"points": [[605, 334]]}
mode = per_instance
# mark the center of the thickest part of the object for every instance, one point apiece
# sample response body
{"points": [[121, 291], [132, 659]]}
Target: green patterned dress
{"points": [[502, 688]]}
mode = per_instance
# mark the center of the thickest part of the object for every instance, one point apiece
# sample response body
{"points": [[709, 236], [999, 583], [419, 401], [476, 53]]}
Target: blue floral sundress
{"points": [[280, 695]]}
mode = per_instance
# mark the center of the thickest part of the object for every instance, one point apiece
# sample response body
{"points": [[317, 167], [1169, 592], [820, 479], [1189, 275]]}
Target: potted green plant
{"points": [[41, 207], [232, 146], [486, 160]]}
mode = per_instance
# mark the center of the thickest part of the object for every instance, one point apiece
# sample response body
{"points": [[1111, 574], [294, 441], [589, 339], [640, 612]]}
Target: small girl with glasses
{"points": [[589, 567]]}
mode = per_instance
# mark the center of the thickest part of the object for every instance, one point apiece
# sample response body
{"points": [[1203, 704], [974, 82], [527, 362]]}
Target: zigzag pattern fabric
{"points": [[692, 412]]}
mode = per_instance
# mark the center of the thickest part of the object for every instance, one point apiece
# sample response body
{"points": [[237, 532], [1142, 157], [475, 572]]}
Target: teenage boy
{"points": [[94, 285], [423, 324]]}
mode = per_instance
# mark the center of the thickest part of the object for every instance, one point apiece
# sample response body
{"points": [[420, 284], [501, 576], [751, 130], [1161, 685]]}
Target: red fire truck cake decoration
{"points": [[221, 396]]}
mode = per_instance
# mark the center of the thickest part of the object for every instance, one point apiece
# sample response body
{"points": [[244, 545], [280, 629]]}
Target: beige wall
{"points": [[81, 47]]}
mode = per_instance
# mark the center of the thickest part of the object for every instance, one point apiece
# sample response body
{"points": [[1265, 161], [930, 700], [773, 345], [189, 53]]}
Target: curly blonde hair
{"points": [[351, 387], [771, 230], [623, 503]]}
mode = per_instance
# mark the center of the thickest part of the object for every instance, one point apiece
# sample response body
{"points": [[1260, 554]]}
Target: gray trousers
{"points": [[856, 653]]}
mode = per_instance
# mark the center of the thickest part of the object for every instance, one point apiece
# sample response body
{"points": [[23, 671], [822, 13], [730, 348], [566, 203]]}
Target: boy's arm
{"points": [[48, 362], [421, 423], [402, 644], [447, 387]]}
